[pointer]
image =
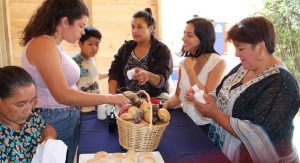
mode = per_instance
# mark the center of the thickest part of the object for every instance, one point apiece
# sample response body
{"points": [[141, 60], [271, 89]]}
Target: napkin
{"points": [[51, 151]]}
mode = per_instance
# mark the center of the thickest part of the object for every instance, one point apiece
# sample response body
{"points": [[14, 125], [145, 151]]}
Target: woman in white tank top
{"points": [[202, 67]]}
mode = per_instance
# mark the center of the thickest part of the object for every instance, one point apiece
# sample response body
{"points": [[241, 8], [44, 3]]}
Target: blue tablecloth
{"points": [[183, 140]]}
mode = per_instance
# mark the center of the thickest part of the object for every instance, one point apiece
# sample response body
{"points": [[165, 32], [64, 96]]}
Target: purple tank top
{"points": [[70, 70]]}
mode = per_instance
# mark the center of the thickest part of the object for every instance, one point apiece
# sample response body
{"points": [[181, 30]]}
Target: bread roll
{"points": [[145, 154], [127, 160], [111, 160], [147, 116], [101, 154], [133, 110], [131, 154], [164, 115], [145, 106], [127, 116], [95, 160], [130, 94], [148, 160], [117, 156]]}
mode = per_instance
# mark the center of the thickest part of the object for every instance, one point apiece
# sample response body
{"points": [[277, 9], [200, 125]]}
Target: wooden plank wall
{"points": [[111, 17]]}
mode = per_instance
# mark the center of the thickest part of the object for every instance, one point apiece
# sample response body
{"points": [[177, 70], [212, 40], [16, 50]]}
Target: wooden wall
{"points": [[111, 17]]}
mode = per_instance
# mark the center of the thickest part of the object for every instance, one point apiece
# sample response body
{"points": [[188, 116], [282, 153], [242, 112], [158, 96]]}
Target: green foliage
{"points": [[285, 15]]}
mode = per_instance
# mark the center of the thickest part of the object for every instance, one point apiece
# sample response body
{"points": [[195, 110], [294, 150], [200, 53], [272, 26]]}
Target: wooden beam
{"points": [[89, 5], [5, 45]]}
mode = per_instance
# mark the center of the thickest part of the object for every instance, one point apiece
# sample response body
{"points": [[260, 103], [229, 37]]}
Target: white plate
{"points": [[83, 158]]}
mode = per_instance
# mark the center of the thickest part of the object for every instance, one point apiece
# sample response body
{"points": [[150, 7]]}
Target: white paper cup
{"points": [[199, 97], [130, 74], [195, 88], [102, 111]]}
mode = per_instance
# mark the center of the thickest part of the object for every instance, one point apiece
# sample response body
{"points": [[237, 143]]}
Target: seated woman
{"points": [[21, 130], [255, 104], [150, 59], [203, 67]]}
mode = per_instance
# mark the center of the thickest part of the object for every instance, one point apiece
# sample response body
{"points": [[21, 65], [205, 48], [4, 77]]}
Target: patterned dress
{"points": [[20, 146]]}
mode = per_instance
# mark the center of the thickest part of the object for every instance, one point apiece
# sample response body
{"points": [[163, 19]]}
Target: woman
{"points": [[150, 59], [54, 72], [21, 130], [256, 102], [203, 67]]}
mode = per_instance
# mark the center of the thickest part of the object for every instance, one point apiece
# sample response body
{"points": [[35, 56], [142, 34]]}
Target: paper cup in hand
{"points": [[195, 88], [130, 74], [101, 111], [199, 97]]}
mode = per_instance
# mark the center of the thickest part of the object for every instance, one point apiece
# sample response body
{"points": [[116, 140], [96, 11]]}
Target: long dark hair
{"points": [[205, 31], [48, 15], [11, 78]]}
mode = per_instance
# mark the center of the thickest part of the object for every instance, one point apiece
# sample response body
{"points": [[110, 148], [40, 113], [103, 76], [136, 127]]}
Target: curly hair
{"points": [[48, 15]]}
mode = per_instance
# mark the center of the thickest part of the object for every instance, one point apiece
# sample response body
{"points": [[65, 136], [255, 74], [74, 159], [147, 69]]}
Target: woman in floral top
{"points": [[21, 130], [256, 102], [150, 59]]}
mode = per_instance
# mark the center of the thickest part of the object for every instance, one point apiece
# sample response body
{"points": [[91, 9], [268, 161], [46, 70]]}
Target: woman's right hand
{"points": [[189, 94], [189, 63], [120, 99]]}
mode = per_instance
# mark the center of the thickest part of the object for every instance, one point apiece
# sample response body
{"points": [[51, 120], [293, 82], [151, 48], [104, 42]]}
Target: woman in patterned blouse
{"points": [[21, 130], [255, 104], [150, 58]]}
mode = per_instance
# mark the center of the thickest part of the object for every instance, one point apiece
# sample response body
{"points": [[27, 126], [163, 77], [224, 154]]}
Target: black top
{"points": [[158, 61]]}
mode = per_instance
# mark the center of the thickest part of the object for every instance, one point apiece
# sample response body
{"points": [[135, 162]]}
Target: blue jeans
{"points": [[66, 123]]}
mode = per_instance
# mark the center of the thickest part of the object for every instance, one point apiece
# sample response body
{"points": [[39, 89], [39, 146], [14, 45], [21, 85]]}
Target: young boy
{"points": [[89, 76]]}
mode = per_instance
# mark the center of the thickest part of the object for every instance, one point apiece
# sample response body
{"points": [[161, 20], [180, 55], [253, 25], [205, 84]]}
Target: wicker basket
{"points": [[139, 137]]}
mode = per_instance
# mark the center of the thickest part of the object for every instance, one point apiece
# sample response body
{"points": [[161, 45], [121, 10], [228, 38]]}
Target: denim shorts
{"points": [[66, 123]]}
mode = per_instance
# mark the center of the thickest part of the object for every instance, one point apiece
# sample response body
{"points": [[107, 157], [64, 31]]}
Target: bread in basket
{"points": [[139, 135]]}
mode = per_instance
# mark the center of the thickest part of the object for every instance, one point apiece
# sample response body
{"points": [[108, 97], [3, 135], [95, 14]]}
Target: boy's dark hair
{"points": [[90, 32]]}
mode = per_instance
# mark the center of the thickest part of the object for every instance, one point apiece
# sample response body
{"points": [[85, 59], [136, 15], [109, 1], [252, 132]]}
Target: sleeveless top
{"points": [[188, 107], [71, 73]]}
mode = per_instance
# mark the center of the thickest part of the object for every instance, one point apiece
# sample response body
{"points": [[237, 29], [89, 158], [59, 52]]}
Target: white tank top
{"points": [[188, 107], [71, 72]]}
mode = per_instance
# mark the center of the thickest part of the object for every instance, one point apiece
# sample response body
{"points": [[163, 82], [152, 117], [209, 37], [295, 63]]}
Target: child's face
{"points": [[89, 48]]}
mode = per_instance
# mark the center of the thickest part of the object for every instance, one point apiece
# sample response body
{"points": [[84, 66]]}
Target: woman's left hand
{"points": [[189, 95]]}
